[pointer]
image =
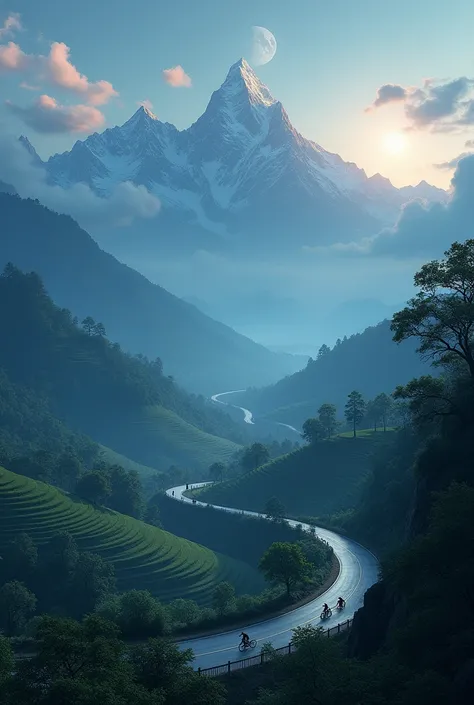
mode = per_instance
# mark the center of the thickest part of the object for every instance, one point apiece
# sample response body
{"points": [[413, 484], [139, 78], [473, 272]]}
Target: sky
{"points": [[332, 58]]}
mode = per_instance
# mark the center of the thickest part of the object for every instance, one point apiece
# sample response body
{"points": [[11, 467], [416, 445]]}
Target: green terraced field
{"points": [[311, 481], [144, 557], [158, 438]]}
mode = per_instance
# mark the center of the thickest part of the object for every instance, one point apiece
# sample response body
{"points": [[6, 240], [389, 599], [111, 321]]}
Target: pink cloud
{"points": [[46, 115], [177, 77], [64, 74], [12, 58], [12, 24], [58, 70]]}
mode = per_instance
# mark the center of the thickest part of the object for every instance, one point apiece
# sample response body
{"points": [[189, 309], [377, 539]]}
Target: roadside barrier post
{"points": [[228, 666], [289, 648]]}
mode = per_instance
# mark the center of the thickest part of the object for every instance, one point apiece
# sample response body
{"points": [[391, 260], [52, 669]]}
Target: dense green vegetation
{"points": [[321, 478], [123, 401], [143, 556], [411, 644], [87, 663], [368, 362], [204, 355]]}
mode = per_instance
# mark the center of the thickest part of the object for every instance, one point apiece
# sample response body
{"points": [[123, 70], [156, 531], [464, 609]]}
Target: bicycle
{"points": [[249, 645], [326, 614]]}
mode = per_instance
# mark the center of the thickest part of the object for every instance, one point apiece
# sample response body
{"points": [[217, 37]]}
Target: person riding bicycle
{"points": [[245, 639], [341, 603], [325, 608]]}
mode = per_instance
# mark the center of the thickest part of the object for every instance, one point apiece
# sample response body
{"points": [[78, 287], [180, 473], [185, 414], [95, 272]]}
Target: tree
{"points": [[140, 614], [441, 315], [94, 486], [323, 350], [67, 470], [125, 491], [285, 563], [313, 431], [216, 472], [17, 604], [255, 456], [93, 579], [428, 399], [384, 405], [372, 413], [88, 324], [327, 418], [223, 597], [354, 410], [162, 668], [6, 660], [274, 509], [99, 330], [20, 559], [183, 611]]}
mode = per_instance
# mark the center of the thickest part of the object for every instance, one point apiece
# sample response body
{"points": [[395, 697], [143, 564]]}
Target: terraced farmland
{"points": [[158, 438], [144, 557]]}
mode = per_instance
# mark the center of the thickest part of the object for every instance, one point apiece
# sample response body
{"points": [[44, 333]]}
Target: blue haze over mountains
{"points": [[246, 201]]}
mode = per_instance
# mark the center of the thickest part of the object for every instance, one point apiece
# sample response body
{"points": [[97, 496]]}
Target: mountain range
{"points": [[240, 176], [203, 354]]}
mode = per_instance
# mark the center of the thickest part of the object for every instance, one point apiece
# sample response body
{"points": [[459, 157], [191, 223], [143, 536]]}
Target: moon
{"points": [[264, 46]]}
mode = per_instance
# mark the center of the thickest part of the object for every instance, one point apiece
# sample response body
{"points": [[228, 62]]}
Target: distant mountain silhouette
{"points": [[204, 355]]}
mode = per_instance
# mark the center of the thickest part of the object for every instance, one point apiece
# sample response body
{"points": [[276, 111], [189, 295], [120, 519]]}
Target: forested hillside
{"points": [[124, 402], [369, 362], [204, 355]]}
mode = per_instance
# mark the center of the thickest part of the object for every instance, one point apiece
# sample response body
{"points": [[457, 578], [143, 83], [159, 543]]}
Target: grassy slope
{"points": [[310, 481], [144, 557], [113, 458], [157, 437]]}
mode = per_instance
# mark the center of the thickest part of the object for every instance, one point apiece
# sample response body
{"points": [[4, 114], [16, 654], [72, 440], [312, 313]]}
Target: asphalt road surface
{"points": [[248, 416], [358, 571]]}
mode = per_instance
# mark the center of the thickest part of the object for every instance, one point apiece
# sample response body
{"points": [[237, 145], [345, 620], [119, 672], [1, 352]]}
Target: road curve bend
{"points": [[358, 571]]}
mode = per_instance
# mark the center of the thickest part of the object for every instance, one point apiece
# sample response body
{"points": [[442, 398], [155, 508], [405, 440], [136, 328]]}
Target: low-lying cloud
{"points": [[444, 106], [422, 230], [177, 77], [47, 116], [126, 203], [452, 163]]}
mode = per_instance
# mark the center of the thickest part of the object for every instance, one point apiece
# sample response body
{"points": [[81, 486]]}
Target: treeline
{"points": [[373, 414]]}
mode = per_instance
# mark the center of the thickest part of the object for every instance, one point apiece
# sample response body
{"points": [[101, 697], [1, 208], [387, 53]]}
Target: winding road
{"points": [[248, 416], [358, 571]]}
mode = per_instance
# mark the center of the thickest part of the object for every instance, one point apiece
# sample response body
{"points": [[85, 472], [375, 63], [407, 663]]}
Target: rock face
{"points": [[241, 172]]}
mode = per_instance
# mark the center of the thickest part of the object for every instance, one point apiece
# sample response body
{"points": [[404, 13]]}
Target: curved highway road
{"points": [[248, 416], [359, 570]]}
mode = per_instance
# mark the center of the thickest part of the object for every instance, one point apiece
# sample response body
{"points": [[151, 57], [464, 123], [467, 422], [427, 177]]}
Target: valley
{"points": [[237, 354]]}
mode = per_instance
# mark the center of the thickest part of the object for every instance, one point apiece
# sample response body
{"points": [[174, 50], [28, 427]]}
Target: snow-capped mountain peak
{"points": [[242, 78], [240, 171]]}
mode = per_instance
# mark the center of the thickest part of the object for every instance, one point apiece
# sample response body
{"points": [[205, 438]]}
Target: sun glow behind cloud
{"points": [[395, 143]]}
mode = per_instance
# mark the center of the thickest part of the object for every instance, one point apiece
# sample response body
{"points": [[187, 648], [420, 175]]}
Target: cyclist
{"points": [[245, 639], [325, 608], [341, 603]]}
